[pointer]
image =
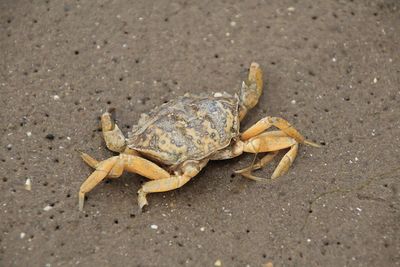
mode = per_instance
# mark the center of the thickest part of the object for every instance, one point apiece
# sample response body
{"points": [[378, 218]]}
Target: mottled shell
{"points": [[188, 128]]}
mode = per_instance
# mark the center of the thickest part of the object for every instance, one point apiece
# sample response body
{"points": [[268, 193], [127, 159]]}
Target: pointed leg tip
{"points": [[142, 201], [307, 142], [81, 201], [248, 174], [240, 171], [141, 208], [80, 206], [278, 174]]}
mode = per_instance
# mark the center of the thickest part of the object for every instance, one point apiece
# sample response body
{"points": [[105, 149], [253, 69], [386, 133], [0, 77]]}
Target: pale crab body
{"points": [[172, 143], [188, 128]]}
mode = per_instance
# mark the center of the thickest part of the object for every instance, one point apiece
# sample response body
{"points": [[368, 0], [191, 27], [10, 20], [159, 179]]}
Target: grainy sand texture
{"points": [[331, 68]]}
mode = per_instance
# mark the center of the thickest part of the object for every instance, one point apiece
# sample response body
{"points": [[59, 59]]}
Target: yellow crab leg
{"points": [[89, 160], [286, 162], [189, 168], [270, 142], [266, 143], [266, 159], [114, 167], [279, 123], [261, 163], [102, 169], [115, 172], [92, 162]]}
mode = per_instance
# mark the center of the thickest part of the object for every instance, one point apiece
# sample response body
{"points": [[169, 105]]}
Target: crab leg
{"points": [[261, 163], [190, 169], [266, 159], [115, 172], [270, 142], [286, 162], [102, 169], [279, 123], [89, 160], [267, 143], [114, 167]]}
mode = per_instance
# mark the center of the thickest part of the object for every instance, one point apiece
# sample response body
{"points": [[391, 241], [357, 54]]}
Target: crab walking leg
{"points": [[143, 167], [280, 170], [279, 123], [102, 169], [271, 142], [266, 159], [92, 162], [261, 163], [286, 162], [115, 172], [262, 143], [114, 167], [113, 136], [189, 168], [89, 160]]}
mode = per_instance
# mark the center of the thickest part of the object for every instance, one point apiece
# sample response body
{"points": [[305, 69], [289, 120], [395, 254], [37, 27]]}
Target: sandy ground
{"points": [[331, 68]]}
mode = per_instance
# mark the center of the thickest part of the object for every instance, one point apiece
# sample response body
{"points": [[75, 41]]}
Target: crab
{"points": [[172, 143]]}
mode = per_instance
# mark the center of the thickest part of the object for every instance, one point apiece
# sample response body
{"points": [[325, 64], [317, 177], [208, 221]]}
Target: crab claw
{"points": [[251, 89]]}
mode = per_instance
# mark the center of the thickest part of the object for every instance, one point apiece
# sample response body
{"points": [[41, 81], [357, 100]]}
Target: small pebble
{"points": [[202, 229], [22, 235], [29, 134], [56, 97], [375, 80], [218, 263], [293, 101], [291, 9], [47, 208], [154, 227], [28, 184]]}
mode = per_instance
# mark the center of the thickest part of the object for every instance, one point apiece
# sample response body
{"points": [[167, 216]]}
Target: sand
{"points": [[331, 69]]}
